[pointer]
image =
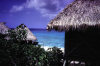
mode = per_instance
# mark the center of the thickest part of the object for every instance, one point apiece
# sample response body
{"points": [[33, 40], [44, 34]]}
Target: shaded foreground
{"points": [[81, 22], [18, 52]]}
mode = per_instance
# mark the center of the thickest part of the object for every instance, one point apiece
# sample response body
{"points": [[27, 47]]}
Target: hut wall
{"points": [[83, 45]]}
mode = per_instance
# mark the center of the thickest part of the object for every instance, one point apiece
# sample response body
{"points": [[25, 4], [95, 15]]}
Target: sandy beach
{"points": [[46, 48]]}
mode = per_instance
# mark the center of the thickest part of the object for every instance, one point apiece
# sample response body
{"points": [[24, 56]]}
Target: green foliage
{"points": [[17, 34], [21, 54], [17, 52], [55, 56]]}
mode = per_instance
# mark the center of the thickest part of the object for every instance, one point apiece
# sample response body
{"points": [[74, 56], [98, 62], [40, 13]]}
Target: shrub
{"points": [[15, 52]]}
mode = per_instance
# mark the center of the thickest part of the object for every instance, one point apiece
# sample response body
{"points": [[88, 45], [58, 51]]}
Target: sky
{"points": [[32, 13]]}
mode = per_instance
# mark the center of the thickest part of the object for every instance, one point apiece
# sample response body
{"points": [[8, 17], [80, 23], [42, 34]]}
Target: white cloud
{"points": [[46, 7], [16, 8]]}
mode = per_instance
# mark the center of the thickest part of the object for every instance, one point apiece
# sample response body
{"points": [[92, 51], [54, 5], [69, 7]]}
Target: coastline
{"points": [[46, 48]]}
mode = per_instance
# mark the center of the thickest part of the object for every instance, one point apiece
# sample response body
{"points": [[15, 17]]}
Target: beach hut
{"points": [[81, 22], [3, 28], [29, 37]]}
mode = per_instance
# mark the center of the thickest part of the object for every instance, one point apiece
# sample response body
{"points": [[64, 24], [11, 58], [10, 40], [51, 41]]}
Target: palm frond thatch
{"points": [[3, 28], [80, 13], [30, 35]]}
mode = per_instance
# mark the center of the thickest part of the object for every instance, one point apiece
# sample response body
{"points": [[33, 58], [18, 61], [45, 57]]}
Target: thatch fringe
{"points": [[82, 27]]}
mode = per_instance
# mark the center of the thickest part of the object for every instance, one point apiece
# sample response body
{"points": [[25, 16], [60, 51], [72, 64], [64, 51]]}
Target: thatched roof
{"points": [[30, 35], [3, 28], [80, 13]]}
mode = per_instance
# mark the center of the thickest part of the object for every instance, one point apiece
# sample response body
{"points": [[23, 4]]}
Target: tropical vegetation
{"points": [[16, 51]]}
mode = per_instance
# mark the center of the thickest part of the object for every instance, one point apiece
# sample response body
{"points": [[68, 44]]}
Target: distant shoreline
{"points": [[46, 48]]}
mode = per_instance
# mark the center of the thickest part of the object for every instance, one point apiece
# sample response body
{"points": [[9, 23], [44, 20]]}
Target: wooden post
{"points": [[65, 49]]}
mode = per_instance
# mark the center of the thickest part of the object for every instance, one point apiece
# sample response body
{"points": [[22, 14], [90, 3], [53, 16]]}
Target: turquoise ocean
{"points": [[49, 38]]}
